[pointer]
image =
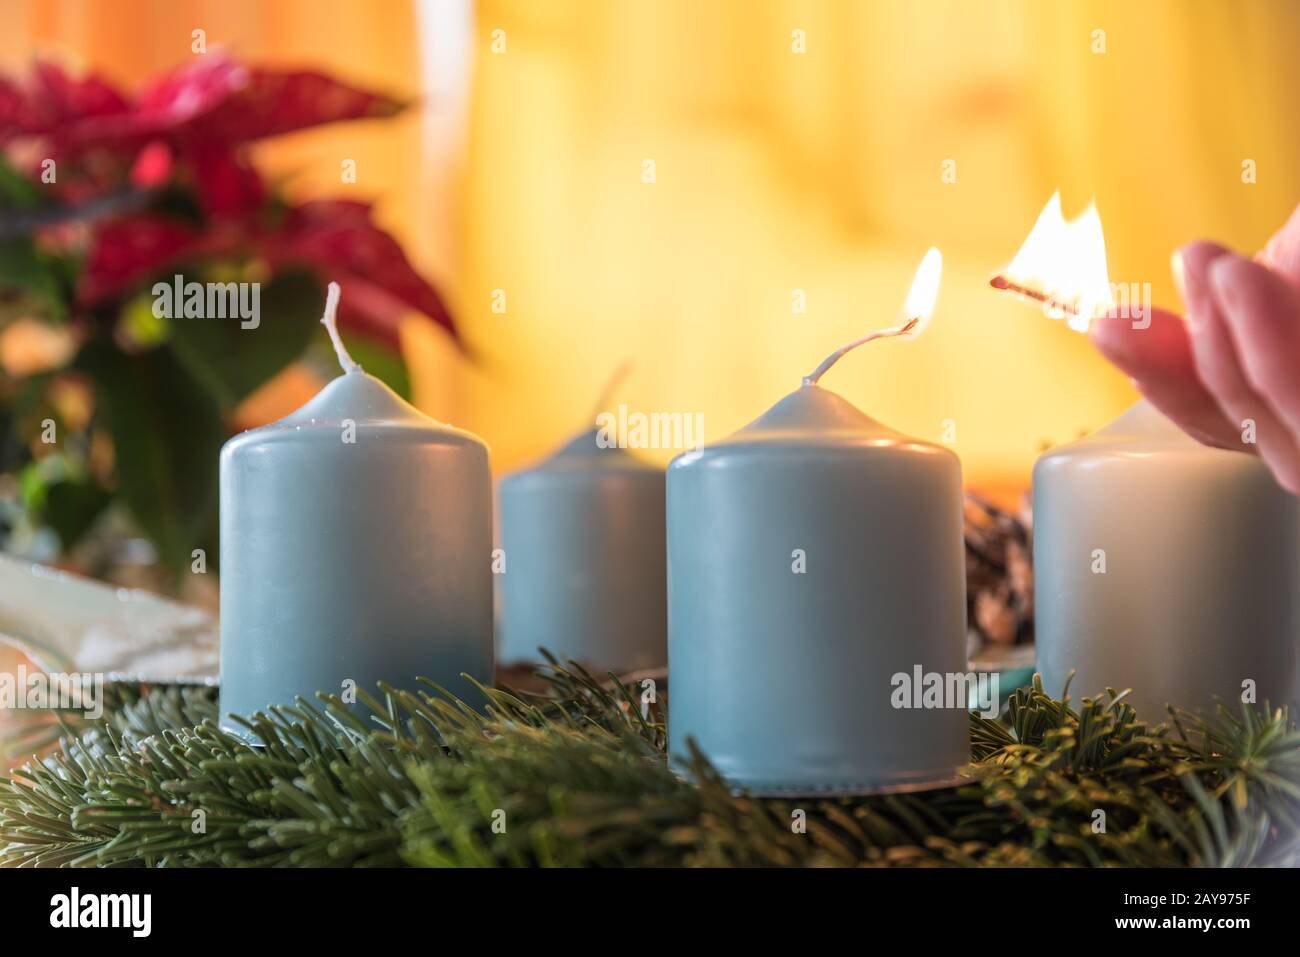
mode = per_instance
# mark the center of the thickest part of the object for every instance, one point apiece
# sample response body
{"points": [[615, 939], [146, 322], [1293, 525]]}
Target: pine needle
{"points": [[578, 777]]}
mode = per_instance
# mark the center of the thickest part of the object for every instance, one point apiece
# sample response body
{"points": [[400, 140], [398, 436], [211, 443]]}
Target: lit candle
{"points": [[356, 538], [582, 534], [813, 557], [1160, 565]]}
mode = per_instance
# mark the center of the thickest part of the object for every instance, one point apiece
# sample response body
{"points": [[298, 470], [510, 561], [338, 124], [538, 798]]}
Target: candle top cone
{"points": [[815, 415], [593, 449], [1141, 431], [355, 397], [599, 448], [1142, 424]]}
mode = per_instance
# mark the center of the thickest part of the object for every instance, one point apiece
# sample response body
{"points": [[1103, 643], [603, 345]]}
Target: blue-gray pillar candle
{"points": [[813, 557], [582, 535], [356, 539], [1165, 567]]}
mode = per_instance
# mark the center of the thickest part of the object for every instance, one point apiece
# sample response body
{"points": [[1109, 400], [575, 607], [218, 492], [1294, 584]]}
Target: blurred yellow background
{"points": [[797, 149]]}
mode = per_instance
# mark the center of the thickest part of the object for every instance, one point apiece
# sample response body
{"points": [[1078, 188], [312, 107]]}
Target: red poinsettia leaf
{"points": [[57, 106], [13, 109], [368, 309], [52, 103], [131, 249], [215, 100], [226, 185], [275, 103], [210, 100], [339, 239], [194, 90], [336, 239], [58, 98]]}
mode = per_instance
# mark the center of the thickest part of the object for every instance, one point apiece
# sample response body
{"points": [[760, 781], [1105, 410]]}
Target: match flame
{"points": [[925, 290], [1063, 265]]}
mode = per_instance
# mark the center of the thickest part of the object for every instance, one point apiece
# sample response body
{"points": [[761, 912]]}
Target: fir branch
{"points": [[578, 776]]}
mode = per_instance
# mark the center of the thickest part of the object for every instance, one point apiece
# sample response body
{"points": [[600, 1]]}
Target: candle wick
{"points": [[615, 380], [330, 321], [835, 356]]}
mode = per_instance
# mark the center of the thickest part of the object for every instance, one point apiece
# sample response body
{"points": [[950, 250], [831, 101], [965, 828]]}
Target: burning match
{"points": [[1062, 264], [1006, 285]]}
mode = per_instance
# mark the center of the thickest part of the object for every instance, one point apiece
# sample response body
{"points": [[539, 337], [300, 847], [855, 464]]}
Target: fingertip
{"points": [[1190, 263], [1198, 254], [1108, 333], [1160, 341], [1227, 276], [1251, 293]]}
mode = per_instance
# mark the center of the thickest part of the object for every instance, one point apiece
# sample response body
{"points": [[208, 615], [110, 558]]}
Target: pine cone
{"points": [[999, 573]]}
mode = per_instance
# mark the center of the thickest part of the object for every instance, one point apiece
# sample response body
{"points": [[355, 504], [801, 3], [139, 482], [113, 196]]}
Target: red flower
{"points": [[339, 238], [211, 101], [336, 238], [53, 104], [216, 101], [188, 128], [131, 249]]}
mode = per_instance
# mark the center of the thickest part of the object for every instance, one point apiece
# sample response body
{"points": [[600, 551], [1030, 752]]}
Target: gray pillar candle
{"points": [[356, 537], [583, 539], [1166, 567], [813, 557]]}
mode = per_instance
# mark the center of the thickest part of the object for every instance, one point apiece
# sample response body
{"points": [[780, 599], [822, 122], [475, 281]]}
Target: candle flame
{"points": [[919, 305], [1062, 264], [916, 313]]}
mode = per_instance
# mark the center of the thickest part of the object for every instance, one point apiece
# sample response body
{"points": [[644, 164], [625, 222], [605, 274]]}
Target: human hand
{"points": [[1234, 360]]}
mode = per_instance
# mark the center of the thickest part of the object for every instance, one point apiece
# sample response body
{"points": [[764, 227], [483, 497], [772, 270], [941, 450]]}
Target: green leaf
{"points": [[71, 507], [25, 269], [167, 434], [229, 360], [17, 191], [379, 360]]}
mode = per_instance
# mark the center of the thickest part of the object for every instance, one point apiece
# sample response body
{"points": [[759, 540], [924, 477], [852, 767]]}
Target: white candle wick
{"points": [[330, 321], [834, 357], [615, 380]]}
